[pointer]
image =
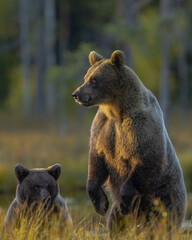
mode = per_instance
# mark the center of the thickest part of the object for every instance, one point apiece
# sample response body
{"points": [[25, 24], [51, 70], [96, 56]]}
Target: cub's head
{"points": [[102, 81], [37, 186]]}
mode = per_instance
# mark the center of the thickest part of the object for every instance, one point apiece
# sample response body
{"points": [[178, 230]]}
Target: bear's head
{"points": [[102, 81], [37, 186]]}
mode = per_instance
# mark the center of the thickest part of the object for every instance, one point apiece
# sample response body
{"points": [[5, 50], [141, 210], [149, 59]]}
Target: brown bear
{"points": [[37, 186], [130, 149]]}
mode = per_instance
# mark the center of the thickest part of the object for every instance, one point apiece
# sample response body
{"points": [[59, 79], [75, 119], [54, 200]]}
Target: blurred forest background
{"points": [[44, 47]]}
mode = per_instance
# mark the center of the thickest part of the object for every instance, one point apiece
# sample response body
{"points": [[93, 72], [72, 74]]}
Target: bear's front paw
{"points": [[98, 198], [101, 203]]}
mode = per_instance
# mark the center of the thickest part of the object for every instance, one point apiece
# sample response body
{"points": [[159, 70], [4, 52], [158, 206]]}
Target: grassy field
{"points": [[87, 227], [40, 144]]}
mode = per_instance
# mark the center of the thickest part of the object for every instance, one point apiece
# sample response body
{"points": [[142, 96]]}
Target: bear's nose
{"points": [[75, 95]]}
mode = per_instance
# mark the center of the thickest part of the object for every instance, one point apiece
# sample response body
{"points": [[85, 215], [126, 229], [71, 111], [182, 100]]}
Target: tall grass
{"points": [[38, 227]]}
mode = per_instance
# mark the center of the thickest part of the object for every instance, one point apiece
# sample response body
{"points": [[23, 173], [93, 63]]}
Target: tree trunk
{"points": [[183, 82], [40, 59], [164, 95], [126, 12], [64, 32], [25, 55], [183, 65], [50, 54]]}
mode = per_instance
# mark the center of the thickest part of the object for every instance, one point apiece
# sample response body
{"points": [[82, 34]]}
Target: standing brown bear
{"points": [[130, 149]]}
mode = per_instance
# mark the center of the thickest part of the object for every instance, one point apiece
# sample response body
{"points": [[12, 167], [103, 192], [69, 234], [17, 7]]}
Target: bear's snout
{"points": [[45, 195], [75, 95], [81, 96], [45, 198], [47, 201]]}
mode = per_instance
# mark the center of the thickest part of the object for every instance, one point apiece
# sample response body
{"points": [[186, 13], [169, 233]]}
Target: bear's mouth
{"points": [[84, 102]]}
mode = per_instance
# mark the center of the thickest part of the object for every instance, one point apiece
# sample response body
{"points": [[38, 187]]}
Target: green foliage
{"points": [[8, 41], [14, 97], [8, 19], [89, 25], [147, 51], [87, 18], [4, 82]]}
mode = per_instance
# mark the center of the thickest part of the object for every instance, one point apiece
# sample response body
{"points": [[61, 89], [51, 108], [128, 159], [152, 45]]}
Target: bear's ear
{"points": [[117, 58], [21, 172], [54, 170], [94, 57]]}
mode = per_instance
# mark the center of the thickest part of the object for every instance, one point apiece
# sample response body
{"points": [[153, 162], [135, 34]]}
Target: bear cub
{"points": [[37, 187]]}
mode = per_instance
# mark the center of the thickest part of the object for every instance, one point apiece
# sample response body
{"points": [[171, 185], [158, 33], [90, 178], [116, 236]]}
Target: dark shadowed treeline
{"points": [[44, 47]]}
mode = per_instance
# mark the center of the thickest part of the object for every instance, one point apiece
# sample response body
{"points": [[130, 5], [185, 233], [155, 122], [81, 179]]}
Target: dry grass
{"points": [[35, 227]]}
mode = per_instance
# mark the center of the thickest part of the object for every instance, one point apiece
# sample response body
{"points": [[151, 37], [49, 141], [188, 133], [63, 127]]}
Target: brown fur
{"points": [[35, 187], [130, 149]]}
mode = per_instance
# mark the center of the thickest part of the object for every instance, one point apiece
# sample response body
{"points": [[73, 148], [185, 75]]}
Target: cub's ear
{"points": [[21, 172], [117, 58], [94, 57], [54, 170]]}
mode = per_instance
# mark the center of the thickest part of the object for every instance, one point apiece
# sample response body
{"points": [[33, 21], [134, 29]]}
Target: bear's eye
{"points": [[93, 80]]}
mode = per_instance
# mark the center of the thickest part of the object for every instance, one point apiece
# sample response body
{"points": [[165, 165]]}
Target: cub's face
{"points": [[37, 185], [101, 82]]}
